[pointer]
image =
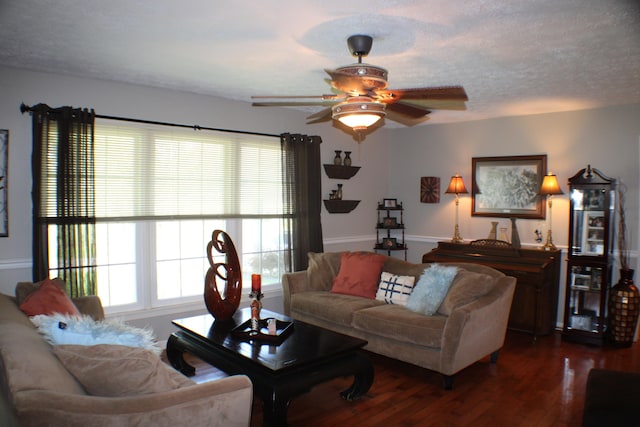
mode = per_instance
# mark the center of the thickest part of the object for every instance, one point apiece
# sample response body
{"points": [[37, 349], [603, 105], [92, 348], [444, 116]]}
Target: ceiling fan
{"points": [[361, 96]]}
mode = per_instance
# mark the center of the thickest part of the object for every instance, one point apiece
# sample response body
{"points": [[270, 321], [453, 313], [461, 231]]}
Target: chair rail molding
{"points": [[15, 264]]}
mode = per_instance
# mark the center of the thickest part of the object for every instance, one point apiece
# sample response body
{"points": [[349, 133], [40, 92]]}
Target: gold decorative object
{"points": [[456, 186], [549, 188]]}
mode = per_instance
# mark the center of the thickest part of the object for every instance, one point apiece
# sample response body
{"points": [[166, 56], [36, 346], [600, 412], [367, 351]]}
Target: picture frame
{"points": [[389, 222], [4, 178], [508, 186], [389, 242], [390, 203]]}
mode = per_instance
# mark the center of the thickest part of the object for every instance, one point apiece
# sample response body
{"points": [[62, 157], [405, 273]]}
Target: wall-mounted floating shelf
{"points": [[340, 206], [340, 172]]}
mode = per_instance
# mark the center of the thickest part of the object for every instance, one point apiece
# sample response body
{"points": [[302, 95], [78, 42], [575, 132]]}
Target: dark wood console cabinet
{"points": [[535, 302]]}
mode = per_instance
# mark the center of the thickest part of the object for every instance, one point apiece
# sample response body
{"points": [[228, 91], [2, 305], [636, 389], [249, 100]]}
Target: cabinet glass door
{"points": [[588, 234], [584, 297]]}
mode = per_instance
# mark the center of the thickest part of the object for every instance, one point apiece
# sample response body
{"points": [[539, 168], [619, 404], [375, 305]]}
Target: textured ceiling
{"points": [[514, 57]]}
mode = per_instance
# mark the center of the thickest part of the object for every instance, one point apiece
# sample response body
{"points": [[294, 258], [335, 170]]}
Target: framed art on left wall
{"points": [[4, 177]]}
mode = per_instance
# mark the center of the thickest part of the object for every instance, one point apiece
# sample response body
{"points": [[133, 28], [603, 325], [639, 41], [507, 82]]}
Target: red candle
{"points": [[256, 283]]}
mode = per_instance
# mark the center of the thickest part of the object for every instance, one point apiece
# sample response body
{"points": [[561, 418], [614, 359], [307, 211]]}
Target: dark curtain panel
{"points": [[302, 189], [63, 196]]}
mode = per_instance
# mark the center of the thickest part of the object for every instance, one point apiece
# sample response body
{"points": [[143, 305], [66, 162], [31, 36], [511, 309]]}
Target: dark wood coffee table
{"points": [[308, 356]]}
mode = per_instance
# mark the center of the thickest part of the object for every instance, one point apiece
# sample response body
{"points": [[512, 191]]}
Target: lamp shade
{"points": [[456, 185], [358, 112], [550, 185]]}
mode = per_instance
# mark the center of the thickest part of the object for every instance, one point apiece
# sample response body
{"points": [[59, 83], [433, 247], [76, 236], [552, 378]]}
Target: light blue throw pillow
{"points": [[432, 287]]}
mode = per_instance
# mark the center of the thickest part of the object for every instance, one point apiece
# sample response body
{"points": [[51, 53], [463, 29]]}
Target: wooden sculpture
{"points": [[223, 308]]}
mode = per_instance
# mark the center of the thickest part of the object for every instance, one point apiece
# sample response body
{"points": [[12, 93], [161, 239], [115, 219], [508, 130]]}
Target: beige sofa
{"points": [[472, 327], [38, 391]]}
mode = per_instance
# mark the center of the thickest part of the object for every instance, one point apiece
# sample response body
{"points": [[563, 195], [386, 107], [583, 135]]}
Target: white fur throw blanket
{"points": [[60, 329]]}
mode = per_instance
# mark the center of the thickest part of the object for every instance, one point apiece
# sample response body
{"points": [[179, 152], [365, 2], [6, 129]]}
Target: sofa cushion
{"points": [[401, 267], [114, 370], [467, 286], [322, 269], [28, 363], [398, 323], [359, 274], [431, 289], [49, 298], [394, 289], [329, 306]]}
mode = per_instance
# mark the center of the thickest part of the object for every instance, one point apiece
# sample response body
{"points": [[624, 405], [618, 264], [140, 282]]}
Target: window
{"points": [[159, 194]]}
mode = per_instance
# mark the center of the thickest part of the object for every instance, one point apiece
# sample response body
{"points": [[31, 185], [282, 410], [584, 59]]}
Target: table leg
{"points": [[174, 354], [274, 410], [362, 379]]}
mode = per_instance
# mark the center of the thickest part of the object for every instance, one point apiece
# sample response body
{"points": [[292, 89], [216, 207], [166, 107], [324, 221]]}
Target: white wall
{"points": [[392, 160]]}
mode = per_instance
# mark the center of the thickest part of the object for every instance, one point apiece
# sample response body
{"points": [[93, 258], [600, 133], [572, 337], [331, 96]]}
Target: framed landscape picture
{"points": [[508, 186]]}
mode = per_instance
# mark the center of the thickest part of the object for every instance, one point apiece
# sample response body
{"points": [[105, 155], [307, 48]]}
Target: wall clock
{"points": [[430, 189]]}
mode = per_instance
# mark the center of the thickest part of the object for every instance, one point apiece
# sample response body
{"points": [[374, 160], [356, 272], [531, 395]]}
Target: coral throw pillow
{"points": [[49, 298], [359, 274]]}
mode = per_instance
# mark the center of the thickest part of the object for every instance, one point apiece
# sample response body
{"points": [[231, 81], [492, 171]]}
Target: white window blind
{"points": [[151, 172]]}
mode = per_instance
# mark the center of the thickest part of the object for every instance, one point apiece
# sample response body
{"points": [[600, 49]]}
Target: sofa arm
{"points": [[90, 305], [225, 402], [293, 283], [477, 329]]}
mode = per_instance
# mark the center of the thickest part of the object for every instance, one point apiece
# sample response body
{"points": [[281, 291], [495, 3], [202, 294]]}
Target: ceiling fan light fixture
{"points": [[358, 112]]}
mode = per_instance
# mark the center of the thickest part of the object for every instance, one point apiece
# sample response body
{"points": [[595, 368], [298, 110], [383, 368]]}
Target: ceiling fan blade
{"points": [[352, 84], [323, 115], [436, 104], [290, 103], [404, 119], [330, 97], [412, 111], [445, 92]]}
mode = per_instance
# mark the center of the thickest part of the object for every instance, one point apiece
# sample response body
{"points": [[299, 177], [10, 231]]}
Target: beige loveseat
{"points": [[36, 389], [470, 324]]}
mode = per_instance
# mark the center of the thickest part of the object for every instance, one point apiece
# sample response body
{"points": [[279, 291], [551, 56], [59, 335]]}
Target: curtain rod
{"points": [[28, 109]]}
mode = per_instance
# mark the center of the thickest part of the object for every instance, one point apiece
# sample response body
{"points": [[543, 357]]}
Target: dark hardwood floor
{"points": [[539, 383]]}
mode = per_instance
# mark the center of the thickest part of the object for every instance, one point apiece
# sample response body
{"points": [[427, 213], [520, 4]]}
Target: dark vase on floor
{"points": [[624, 307]]}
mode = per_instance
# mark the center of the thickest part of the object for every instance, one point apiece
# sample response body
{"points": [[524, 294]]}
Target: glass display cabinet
{"points": [[591, 238]]}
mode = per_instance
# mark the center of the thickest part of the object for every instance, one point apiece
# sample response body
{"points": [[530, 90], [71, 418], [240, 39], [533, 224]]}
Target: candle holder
{"points": [[256, 306]]}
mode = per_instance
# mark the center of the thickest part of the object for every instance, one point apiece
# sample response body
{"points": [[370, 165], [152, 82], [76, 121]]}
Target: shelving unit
{"points": [[591, 236], [390, 229], [340, 172]]}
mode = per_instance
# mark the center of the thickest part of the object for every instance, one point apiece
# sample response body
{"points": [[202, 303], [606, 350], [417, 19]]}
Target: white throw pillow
{"points": [[59, 329], [394, 289]]}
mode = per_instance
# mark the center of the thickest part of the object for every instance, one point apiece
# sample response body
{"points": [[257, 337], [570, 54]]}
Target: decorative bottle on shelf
{"points": [[503, 234], [493, 231], [337, 160], [515, 237], [347, 158], [339, 192]]}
